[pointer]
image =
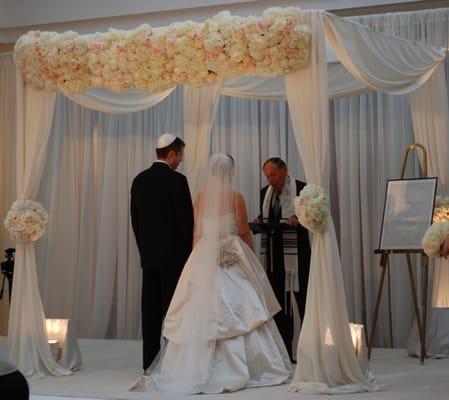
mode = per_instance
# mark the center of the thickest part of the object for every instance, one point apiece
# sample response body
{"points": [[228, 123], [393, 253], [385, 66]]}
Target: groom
{"points": [[162, 220]]}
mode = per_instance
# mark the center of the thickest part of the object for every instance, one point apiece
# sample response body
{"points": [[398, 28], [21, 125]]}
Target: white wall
{"points": [[86, 16], [2, 13], [32, 12]]}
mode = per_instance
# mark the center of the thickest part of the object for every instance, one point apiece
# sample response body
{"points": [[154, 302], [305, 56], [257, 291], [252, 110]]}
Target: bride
{"points": [[219, 330]]}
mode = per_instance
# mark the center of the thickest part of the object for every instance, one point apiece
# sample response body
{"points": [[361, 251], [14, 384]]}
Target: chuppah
{"points": [[417, 71]]}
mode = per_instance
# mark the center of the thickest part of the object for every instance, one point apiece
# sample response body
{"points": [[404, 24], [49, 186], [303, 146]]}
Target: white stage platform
{"points": [[110, 367]]}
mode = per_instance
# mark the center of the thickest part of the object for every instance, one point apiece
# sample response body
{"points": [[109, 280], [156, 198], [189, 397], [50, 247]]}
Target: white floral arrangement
{"points": [[312, 208], [441, 211], [26, 221], [434, 238], [439, 230], [157, 59]]}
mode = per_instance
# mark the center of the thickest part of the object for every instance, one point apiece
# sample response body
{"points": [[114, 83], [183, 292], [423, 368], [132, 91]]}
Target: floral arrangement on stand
{"points": [[312, 208], [26, 221], [157, 59], [439, 230]]}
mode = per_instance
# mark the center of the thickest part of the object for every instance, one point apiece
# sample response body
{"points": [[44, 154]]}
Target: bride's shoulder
{"points": [[238, 198], [199, 200]]}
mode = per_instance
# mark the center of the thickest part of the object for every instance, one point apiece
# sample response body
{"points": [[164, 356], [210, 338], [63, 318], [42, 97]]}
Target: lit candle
{"points": [[328, 339], [356, 334]]}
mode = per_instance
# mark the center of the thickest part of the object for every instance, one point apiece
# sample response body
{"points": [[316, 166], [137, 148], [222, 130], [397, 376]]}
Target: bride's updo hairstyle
{"points": [[221, 166], [218, 188]]}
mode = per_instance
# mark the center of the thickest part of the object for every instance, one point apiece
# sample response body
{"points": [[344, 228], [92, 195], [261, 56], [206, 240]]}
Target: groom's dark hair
{"points": [[177, 146]]}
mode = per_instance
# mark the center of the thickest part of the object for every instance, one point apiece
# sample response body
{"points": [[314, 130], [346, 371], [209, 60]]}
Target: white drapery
{"points": [[198, 160], [431, 125], [372, 131], [7, 156], [406, 68], [430, 27], [200, 106], [380, 61], [105, 100], [432, 130], [27, 336], [327, 361]]}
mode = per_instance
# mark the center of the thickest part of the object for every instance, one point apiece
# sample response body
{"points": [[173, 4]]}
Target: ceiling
{"points": [[85, 16]]}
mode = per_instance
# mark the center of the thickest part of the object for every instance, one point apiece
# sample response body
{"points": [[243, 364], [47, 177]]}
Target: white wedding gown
{"points": [[219, 332]]}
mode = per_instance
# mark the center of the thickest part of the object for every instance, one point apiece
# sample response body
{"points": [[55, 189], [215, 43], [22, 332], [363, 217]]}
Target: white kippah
{"points": [[165, 140]]}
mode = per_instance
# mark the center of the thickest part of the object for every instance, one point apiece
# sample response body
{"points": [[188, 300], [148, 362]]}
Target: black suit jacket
{"points": [[162, 216]]}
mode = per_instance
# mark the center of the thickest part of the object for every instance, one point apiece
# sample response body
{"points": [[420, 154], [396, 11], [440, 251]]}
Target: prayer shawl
{"points": [[289, 238]]}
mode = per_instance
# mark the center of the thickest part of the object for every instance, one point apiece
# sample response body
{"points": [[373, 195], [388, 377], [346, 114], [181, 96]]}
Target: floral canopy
{"points": [[157, 59]]}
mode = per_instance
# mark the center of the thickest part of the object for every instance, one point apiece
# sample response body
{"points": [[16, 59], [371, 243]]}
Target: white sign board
{"points": [[408, 213]]}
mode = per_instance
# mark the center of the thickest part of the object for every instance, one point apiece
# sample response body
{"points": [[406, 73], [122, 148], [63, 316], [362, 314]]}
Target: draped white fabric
{"points": [[371, 133], [380, 61], [353, 45], [7, 159], [200, 106], [430, 27], [86, 149], [430, 114], [119, 103], [92, 160], [432, 130], [327, 361], [341, 83], [27, 338]]}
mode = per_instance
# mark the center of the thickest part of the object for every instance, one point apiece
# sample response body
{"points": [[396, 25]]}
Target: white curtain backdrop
{"points": [[7, 161], [92, 160], [372, 131], [200, 106]]}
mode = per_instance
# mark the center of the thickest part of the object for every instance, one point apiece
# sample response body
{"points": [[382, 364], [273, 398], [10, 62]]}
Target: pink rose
{"points": [[169, 65], [291, 53], [182, 77], [195, 35], [97, 46], [289, 22], [267, 60], [262, 26], [211, 78], [221, 58], [73, 63]]}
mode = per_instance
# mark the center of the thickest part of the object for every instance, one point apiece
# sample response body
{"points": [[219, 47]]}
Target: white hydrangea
{"points": [[312, 208], [26, 221], [434, 238]]}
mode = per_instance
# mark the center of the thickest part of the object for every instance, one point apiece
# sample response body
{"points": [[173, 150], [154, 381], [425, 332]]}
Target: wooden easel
{"points": [[384, 264]]}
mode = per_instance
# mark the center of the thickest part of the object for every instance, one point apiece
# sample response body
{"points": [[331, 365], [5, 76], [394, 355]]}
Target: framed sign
{"points": [[408, 212]]}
